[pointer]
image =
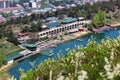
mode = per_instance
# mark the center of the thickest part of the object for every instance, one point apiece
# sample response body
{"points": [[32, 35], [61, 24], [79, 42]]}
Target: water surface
{"points": [[25, 64]]}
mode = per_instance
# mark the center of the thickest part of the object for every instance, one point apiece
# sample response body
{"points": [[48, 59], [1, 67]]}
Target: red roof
{"points": [[23, 33], [9, 9]]}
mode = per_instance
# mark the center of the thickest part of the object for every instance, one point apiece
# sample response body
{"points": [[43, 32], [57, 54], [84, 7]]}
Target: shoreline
{"points": [[65, 39], [5, 66], [115, 25], [4, 74], [69, 37], [76, 35]]}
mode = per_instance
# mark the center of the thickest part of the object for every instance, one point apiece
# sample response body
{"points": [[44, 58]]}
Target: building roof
{"points": [[44, 26], [69, 20], [54, 24], [31, 45], [23, 33], [10, 9], [13, 56], [81, 18]]}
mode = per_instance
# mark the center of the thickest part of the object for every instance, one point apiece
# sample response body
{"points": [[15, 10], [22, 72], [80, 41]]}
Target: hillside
{"points": [[94, 62]]}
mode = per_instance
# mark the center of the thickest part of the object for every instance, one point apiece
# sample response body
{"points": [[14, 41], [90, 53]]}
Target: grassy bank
{"points": [[7, 48], [4, 74], [114, 22], [45, 5]]}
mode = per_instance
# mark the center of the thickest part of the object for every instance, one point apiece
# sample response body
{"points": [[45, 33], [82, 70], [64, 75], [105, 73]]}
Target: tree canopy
{"points": [[100, 19]]}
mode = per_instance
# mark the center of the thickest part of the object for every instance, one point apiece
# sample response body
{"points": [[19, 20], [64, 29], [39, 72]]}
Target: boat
{"points": [[47, 52], [114, 28], [101, 32], [53, 45], [80, 40], [51, 54]]}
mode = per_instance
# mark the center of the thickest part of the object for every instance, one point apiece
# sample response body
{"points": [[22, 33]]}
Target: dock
{"points": [[27, 53]]}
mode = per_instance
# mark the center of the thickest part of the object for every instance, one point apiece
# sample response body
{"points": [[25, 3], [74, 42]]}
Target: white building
{"points": [[55, 31], [32, 4]]}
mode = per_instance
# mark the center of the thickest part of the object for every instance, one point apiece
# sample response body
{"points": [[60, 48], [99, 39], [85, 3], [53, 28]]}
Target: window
{"points": [[46, 32]]}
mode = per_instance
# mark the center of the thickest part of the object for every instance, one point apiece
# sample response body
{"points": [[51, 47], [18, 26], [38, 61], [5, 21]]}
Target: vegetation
{"points": [[62, 2], [6, 32], [45, 5], [94, 62], [2, 60], [99, 20], [6, 15], [11, 38], [7, 48], [111, 8], [4, 74]]}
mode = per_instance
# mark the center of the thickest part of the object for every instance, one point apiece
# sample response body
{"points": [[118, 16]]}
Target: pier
{"points": [[40, 47]]}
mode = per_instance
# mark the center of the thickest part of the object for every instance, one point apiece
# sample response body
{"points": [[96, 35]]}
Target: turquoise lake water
{"points": [[25, 64]]}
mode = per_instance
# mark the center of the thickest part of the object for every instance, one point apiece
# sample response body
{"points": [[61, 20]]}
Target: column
{"points": [[4, 4]]}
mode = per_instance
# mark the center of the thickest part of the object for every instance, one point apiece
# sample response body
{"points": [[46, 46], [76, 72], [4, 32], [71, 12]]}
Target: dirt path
{"points": [[5, 66], [4, 75], [116, 24]]}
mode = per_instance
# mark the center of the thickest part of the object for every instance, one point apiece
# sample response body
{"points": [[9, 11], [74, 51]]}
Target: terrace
{"points": [[54, 24], [69, 20]]}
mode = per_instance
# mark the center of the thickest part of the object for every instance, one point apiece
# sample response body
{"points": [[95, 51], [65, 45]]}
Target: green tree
{"points": [[81, 13], [100, 19], [33, 37], [12, 38], [61, 16], [25, 29], [35, 27], [2, 60], [2, 32]]}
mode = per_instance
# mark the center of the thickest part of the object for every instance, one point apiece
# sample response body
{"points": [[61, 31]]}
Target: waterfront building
{"points": [[31, 47], [68, 25]]}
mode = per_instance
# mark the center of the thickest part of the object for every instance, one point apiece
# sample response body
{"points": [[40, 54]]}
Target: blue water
{"points": [[61, 49]]}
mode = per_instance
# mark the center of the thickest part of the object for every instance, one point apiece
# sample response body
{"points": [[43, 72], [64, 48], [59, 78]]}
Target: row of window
{"points": [[61, 29]]}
